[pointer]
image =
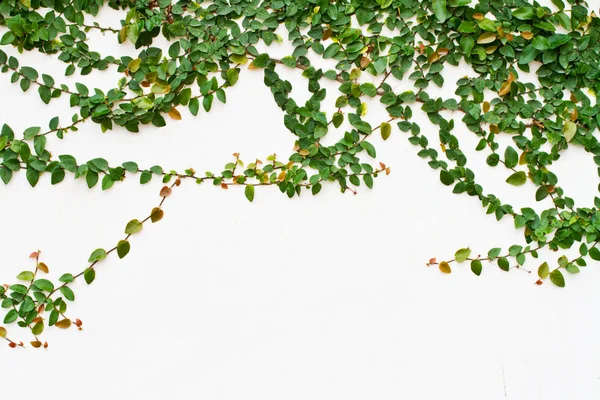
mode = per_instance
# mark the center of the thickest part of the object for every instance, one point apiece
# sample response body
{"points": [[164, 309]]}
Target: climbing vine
{"points": [[372, 45]]}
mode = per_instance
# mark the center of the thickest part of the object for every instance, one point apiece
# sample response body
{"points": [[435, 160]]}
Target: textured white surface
{"points": [[324, 297]]}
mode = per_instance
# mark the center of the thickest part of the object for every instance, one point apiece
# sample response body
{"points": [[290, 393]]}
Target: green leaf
{"points": [[476, 267], [446, 177], [569, 130], [320, 131], [38, 328], [316, 188], [89, 275], [572, 268], [123, 248], [249, 192], [145, 177], [440, 11], [107, 182], [91, 178], [232, 76], [369, 89], [594, 253], [466, 44], [493, 253], [511, 158], [261, 61], [557, 40], [134, 65], [97, 255], [29, 73], [30, 133], [133, 226], [7, 38], [338, 119], [462, 254], [194, 106], [386, 130], [503, 264], [368, 148], [541, 193], [523, 13], [487, 25], [517, 179], [207, 102], [130, 166], [540, 43], [543, 270], [528, 55], [11, 317], [26, 276], [459, 3], [557, 278], [68, 293], [32, 176], [44, 284]]}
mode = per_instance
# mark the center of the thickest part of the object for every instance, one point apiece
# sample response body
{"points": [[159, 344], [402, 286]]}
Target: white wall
{"points": [[324, 297]]}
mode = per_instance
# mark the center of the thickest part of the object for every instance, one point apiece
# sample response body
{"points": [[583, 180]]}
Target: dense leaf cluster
{"points": [[368, 40]]}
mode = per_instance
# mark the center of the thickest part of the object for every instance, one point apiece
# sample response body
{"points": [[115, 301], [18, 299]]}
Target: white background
{"points": [[324, 297]]}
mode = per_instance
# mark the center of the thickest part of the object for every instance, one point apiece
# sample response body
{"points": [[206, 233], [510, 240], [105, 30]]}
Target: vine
{"points": [[382, 40]]}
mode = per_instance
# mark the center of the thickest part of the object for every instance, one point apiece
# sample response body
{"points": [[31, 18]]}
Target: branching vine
{"points": [[384, 41]]}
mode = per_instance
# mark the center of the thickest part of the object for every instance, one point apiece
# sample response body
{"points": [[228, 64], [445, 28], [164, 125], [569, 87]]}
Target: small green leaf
{"points": [[476, 267], [511, 158], [130, 166], [44, 284], [26, 276], [466, 44], [320, 131], [569, 130], [89, 275], [594, 253], [440, 10], [368, 180], [68, 293], [503, 264], [386, 130], [232, 76], [30, 133], [528, 55], [66, 278], [446, 177], [134, 65], [133, 226], [11, 317], [541, 193], [557, 278], [337, 119], [123, 248], [249, 192], [543, 270], [517, 179], [493, 253], [97, 255], [369, 148], [572, 268], [523, 13], [462, 254], [38, 328]]}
